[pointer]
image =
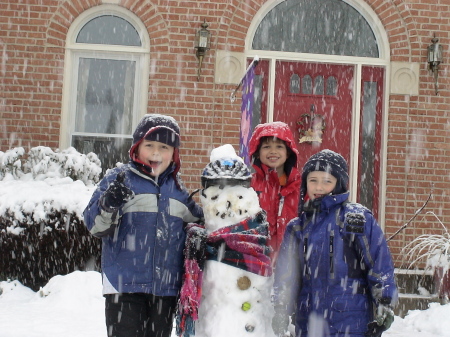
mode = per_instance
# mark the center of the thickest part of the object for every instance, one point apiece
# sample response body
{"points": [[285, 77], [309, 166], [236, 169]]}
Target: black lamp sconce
{"points": [[202, 45], [434, 59]]}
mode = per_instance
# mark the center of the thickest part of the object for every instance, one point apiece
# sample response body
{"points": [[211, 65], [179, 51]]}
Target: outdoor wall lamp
{"points": [[434, 59], [202, 44]]}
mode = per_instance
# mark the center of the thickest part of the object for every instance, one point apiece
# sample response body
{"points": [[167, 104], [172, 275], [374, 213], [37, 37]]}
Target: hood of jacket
{"points": [[279, 130]]}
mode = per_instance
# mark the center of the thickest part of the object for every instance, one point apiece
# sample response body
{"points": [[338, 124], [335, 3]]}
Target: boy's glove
{"points": [[116, 195], [280, 322], [383, 320], [196, 245]]}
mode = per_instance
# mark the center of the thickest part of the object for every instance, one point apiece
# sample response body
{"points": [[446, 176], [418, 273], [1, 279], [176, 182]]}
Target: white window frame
{"points": [[74, 51]]}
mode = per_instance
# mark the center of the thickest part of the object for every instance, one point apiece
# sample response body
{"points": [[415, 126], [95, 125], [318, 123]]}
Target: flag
{"points": [[248, 90]]}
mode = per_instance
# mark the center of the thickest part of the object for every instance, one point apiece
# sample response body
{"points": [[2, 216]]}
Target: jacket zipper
{"points": [[158, 196], [331, 254]]}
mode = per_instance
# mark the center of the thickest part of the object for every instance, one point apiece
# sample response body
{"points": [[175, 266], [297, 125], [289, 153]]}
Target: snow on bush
{"points": [[42, 163], [42, 197]]}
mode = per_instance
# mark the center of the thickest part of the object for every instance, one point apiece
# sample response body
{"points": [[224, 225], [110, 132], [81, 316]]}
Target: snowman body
{"points": [[235, 302]]}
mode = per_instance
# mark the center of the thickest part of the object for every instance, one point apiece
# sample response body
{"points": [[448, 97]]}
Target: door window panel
{"points": [[369, 159], [295, 84], [306, 85], [318, 85], [331, 86], [368, 143]]}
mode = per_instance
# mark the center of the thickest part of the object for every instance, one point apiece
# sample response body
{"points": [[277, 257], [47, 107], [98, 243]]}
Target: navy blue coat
{"points": [[143, 245], [333, 266]]}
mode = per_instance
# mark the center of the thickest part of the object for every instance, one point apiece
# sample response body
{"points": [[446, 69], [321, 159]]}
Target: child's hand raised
{"points": [[116, 195]]}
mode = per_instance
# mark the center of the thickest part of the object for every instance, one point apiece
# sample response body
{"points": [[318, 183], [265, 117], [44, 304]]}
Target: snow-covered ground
{"points": [[73, 306]]}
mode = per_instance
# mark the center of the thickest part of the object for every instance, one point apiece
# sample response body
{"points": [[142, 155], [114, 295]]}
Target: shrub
{"points": [[42, 197]]}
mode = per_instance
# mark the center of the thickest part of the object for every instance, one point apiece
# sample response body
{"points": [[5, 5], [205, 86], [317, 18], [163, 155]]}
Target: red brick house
{"points": [[82, 72]]}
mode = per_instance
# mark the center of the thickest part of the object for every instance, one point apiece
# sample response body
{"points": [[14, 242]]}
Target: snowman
{"points": [[227, 285]]}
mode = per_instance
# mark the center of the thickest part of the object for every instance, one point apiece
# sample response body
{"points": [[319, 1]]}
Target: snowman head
{"points": [[227, 205], [226, 196]]}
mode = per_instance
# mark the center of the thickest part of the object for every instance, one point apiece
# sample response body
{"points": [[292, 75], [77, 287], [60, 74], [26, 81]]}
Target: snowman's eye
{"points": [[240, 197], [214, 197]]}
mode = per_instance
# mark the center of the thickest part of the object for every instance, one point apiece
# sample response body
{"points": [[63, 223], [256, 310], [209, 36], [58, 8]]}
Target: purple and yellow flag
{"points": [[248, 90]]}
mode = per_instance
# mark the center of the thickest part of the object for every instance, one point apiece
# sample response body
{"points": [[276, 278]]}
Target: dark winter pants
{"points": [[139, 315]]}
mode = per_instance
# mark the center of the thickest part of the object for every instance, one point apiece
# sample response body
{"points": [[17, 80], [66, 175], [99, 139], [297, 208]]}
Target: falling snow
{"points": [[72, 305]]}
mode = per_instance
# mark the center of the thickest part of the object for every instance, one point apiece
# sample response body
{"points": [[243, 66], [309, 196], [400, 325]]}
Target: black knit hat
{"points": [[156, 127], [327, 161], [160, 128]]}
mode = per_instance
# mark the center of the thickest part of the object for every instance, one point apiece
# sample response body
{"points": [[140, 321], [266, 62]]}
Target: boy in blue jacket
{"points": [[334, 266], [140, 210]]}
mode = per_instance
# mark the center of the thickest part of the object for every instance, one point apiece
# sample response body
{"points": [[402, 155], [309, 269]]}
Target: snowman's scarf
{"points": [[245, 248]]}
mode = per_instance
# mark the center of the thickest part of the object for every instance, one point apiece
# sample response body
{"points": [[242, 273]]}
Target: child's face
{"points": [[273, 153], [319, 184], [156, 155]]}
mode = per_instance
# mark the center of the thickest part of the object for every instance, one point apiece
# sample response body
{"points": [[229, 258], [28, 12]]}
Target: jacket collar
{"points": [[326, 203]]}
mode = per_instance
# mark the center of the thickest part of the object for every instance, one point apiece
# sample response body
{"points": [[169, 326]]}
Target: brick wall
{"points": [[32, 40]]}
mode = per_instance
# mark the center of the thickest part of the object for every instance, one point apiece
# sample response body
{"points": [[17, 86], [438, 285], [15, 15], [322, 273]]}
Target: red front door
{"points": [[324, 91]]}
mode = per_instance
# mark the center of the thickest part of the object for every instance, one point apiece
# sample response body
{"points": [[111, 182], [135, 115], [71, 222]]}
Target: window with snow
{"points": [[108, 80]]}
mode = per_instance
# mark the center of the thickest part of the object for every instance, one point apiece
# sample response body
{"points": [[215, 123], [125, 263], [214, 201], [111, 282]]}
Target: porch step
{"points": [[416, 290], [414, 281], [407, 302]]}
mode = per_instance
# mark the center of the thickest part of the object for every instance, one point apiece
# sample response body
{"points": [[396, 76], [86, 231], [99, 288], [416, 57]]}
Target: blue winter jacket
{"points": [[143, 244], [333, 266]]}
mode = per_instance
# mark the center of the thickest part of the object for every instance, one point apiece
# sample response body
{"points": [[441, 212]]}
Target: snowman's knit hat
{"points": [[226, 172]]}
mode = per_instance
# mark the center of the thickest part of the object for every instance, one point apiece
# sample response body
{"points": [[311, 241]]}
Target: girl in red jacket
{"points": [[276, 179]]}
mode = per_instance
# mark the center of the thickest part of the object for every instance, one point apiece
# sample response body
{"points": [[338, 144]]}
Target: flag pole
{"points": [[254, 63]]}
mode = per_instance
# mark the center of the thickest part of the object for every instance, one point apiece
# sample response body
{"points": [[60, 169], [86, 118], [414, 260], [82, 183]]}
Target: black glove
{"points": [[116, 195], [374, 330], [196, 244], [280, 322], [383, 320]]}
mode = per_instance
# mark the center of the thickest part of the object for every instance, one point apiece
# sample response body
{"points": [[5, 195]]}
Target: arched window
{"points": [[106, 82], [330, 27]]}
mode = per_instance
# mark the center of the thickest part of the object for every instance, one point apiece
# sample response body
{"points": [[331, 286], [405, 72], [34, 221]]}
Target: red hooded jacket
{"points": [[280, 202]]}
